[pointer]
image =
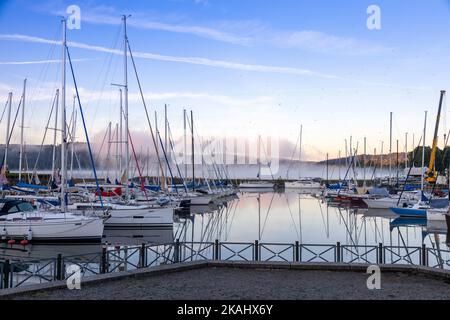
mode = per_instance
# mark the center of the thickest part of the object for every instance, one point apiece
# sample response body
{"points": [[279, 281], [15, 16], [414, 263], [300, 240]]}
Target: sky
{"points": [[245, 68]]}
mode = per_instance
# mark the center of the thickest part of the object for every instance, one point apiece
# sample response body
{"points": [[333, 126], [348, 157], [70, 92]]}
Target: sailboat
{"points": [[127, 214], [259, 184], [305, 183], [20, 220]]}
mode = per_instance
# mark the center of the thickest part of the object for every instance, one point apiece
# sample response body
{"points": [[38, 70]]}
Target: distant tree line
{"points": [[442, 160], [45, 157]]}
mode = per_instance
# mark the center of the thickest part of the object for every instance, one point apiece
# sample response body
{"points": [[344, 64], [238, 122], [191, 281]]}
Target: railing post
{"points": [[104, 266], [380, 253], [424, 255], [176, 251], [59, 267], [256, 250], [142, 254], [6, 274], [216, 249], [338, 252], [297, 251]]}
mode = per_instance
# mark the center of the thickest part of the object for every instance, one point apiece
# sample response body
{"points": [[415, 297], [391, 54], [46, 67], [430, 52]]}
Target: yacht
{"points": [[20, 220]]}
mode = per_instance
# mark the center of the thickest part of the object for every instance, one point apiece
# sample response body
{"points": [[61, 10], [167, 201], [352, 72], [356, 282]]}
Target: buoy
{"points": [[24, 242], [11, 241]]}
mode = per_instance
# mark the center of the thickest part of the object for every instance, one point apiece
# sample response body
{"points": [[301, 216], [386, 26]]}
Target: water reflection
{"points": [[270, 217], [291, 216]]}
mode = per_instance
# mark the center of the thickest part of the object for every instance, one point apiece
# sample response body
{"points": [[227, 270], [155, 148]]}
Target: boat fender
{"points": [[30, 234], [24, 242], [3, 234], [11, 241]]}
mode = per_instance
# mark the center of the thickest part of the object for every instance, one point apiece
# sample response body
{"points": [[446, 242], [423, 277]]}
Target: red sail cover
{"points": [[114, 193]]}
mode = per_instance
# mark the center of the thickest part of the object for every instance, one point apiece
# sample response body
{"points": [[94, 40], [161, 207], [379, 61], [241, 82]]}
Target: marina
{"points": [[242, 175]]}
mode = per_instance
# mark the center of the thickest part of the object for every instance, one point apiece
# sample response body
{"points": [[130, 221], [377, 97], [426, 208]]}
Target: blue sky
{"points": [[245, 67]]}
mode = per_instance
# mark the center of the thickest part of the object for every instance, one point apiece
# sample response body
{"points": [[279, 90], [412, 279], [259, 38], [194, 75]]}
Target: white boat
{"points": [[408, 199], [20, 220], [120, 215], [302, 184], [257, 185], [436, 214]]}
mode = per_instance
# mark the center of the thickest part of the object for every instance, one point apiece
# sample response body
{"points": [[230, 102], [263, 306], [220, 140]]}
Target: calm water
{"points": [[267, 217]]}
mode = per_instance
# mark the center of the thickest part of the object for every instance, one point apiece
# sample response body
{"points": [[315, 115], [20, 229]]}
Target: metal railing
{"points": [[20, 273]]}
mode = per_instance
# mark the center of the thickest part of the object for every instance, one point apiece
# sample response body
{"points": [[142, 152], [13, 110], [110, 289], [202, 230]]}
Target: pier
{"points": [[207, 280]]}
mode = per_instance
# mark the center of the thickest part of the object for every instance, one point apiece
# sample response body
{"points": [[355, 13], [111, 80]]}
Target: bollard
{"points": [[297, 251], [256, 250], [424, 255], [380, 253], [6, 274], [142, 254], [104, 267], [59, 267], [338, 252], [216, 250]]}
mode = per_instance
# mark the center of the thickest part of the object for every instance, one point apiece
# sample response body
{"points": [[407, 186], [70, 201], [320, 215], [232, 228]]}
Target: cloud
{"points": [[322, 42], [39, 62], [246, 33], [189, 60], [97, 16]]}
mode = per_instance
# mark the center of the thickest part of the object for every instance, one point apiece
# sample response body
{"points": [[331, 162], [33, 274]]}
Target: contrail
{"points": [[189, 60]]}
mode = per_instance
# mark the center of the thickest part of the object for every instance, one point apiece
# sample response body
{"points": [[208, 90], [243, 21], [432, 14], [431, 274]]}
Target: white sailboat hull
{"points": [[386, 203], [148, 217], [57, 229], [302, 185], [256, 185]]}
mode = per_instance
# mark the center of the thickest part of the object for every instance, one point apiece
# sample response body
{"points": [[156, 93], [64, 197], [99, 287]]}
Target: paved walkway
{"points": [[235, 283]]}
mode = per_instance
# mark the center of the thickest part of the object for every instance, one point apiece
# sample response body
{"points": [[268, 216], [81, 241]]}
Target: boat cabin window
{"points": [[13, 209], [25, 206]]}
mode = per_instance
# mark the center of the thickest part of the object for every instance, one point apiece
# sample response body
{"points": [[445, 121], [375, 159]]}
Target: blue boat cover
{"points": [[31, 186]]}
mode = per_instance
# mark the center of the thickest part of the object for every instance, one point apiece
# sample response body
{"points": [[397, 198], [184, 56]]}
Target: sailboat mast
{"points": [[125, 75], [109, 151], [300, 153], [193, 150], [5, 162], [74, 130], [120, 133], [406, 150], [381, 160], [423, 152], [21, 129], [390, 147], [364, 164], [63, 119], [157, 149], [165, 140], [185, 145], [54, 136]]}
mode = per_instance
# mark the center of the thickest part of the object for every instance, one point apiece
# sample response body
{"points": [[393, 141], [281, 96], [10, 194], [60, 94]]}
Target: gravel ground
{"points": [[228, 283]]}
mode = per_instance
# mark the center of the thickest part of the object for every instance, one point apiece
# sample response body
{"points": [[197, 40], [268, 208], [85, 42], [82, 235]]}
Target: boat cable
{"points": [[84, 127], [4, 110], [138, 167], [292, 158], [12, 129], [45, 134], [292, 217], [175, 158], [267, 214], [146, 112], [167, 161]]}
